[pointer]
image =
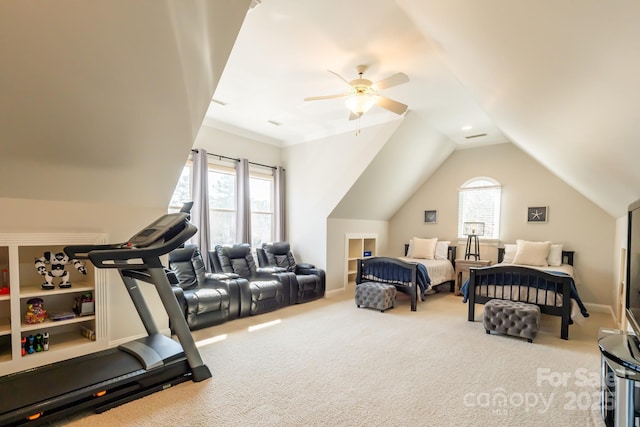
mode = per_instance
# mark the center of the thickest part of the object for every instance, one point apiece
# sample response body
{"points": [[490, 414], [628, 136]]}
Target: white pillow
{"points": [[532, 253], [442, 250], [410, 249], [509, 253], [555, 255], [424, 248]]}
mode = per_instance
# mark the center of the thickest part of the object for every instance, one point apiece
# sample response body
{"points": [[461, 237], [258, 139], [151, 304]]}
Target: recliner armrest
{"points": [[302, 269], [271, 270], [304, 265], [222, 276]]}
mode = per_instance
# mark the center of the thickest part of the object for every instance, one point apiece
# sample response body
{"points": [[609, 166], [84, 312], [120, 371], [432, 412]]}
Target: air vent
{"points": [[476, 136], [273, 122]]}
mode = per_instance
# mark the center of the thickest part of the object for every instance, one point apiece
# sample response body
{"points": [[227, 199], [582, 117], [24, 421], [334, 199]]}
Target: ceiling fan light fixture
{"points": [[360, 103]]}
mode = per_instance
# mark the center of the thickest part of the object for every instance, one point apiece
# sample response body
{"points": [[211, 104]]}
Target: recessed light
{"points": [[467, 127]]}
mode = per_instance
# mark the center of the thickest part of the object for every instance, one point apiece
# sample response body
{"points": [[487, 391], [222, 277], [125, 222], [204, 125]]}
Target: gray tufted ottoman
{"points": [[514, 318], [376, 295]]}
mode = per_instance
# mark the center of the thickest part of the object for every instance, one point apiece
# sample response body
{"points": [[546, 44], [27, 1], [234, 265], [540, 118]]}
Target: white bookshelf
{"points": [[18, 253], [357, 246]]}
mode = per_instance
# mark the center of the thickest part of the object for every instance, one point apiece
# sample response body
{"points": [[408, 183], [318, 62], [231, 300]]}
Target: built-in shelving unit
{"points": [[67, 338], [357, 246]]}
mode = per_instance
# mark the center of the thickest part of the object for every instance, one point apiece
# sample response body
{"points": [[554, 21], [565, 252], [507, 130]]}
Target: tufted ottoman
{"points": [[376, 295], [514, 318]]}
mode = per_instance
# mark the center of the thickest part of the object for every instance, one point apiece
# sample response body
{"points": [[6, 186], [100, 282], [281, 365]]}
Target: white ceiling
{"points": [[286, 47], [559, 79]]}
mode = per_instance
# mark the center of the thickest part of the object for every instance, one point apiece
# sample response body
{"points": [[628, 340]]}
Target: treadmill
{"points": [[105, 379]]}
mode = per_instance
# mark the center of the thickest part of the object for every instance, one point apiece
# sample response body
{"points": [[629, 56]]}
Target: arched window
{"points": [[479, 201]]}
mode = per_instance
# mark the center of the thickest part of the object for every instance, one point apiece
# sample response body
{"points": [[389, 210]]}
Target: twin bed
{"points": [[546, 283], [534, 272], [418, 272]]}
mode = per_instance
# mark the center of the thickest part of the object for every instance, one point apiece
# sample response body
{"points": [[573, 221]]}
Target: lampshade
{"points": [[360, 103], [473, 229]]}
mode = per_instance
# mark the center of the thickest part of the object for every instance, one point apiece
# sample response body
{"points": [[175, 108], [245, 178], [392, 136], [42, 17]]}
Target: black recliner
{"points": [[269, 289], [310, 281], [206, 299]]}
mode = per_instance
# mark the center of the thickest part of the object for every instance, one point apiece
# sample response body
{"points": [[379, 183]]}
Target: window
{"points": [[222, 203], [261, 188], [479, 201]]}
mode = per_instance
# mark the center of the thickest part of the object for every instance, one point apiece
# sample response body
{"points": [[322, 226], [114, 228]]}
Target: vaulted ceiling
{"points": [[90, 90], [558, 79]]}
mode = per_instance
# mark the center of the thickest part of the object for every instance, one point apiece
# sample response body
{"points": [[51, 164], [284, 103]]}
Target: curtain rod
{"points": [[194, 150]]}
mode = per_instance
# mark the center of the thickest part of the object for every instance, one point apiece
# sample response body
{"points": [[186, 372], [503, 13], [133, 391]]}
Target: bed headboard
{"points": [[451, 253], [567, 256]]}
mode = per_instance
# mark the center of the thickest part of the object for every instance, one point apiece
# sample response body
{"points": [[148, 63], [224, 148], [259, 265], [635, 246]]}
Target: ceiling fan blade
{"points": [[391, 105], [340, 77], [316, 98], [395, 80]]}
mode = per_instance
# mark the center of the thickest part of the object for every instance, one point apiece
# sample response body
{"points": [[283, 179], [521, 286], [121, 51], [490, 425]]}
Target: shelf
{"points": [[48, 323], [32, 291], [5, 297], [61, 342], [355, 247], [5, 326]]}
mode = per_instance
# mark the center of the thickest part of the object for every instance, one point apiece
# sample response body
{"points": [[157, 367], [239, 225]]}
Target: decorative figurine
{"points": [[58, 262]]}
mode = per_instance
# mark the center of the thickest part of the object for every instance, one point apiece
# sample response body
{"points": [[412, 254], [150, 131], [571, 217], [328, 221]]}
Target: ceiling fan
{"points": [[362, 93]]}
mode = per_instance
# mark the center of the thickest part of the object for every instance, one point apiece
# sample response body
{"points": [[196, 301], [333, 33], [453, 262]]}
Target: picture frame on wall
{"points": [[537, 214], [431, 217]]}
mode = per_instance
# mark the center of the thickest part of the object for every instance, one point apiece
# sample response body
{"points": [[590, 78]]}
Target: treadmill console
{"points": [[162, 228]]}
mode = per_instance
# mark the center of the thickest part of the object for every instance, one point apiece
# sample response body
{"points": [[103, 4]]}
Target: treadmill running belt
{"points": [[56, 380]]}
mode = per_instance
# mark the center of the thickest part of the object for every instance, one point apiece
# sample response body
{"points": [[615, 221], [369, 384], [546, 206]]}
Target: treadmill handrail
{"points": [[123, 256]]}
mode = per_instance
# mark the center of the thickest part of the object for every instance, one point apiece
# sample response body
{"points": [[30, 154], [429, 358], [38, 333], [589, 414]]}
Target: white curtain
{"points": [[200, 210], [279, 234], [243, 216]]}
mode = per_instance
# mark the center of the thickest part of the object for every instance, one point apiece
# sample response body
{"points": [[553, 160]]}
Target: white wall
{"points": [[217, 141], [319, 174], [574, 221]]}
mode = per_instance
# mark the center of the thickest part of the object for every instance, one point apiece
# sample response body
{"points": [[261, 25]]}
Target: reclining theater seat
{"points": [[268, 290], [310, 281], [206, 299]]}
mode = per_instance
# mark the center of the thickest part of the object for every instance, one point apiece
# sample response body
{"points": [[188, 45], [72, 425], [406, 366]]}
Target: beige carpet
{"points": [[328, 363]]}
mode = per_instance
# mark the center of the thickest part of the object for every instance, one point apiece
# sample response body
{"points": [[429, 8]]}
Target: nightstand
{"points": [[463, 265]]}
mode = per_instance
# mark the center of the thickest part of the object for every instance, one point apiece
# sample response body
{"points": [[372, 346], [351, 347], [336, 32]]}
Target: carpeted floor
{"points": [[328, 363]]}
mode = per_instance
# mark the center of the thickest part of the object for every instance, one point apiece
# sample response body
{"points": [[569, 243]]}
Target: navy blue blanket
{"points": [[392, 273], [424, 281], [514, 279]]}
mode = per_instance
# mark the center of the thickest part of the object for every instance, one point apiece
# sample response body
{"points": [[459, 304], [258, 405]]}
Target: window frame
{"points": [[469, 186], [219, 166]]}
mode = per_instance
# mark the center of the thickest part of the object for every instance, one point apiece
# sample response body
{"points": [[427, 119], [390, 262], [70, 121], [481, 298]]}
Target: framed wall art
{"points": [[431, 217], [537, 214]]}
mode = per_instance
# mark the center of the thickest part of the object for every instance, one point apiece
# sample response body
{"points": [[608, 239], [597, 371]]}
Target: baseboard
{"points": [[601, 308], [334, 292]]}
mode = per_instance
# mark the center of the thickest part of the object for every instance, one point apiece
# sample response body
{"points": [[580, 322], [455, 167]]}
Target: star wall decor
{"points": [[537, 214]]}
